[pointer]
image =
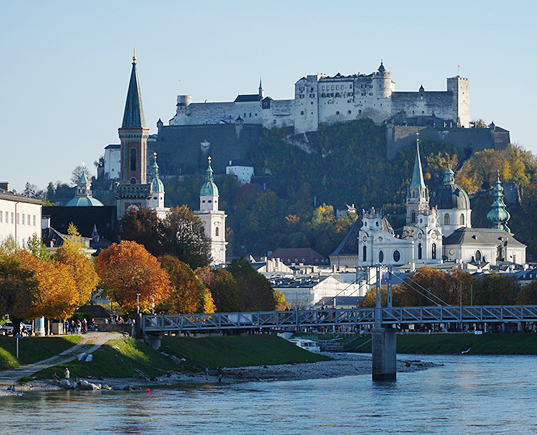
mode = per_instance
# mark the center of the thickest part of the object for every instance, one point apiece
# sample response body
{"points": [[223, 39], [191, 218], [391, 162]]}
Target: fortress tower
{"points": [[460, 87]]}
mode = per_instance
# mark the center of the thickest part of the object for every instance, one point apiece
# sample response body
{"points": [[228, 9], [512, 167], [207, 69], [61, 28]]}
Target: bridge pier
{"points": [[384, 354], [153, 340]]}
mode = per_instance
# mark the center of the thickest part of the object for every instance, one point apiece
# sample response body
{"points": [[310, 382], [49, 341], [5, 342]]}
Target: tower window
{"points": [[216, 231], [133, 180], [413, 216], [446, 219], [364, 253], [381, 256], [420, 252], [133, 159], [462, 219], [478, 256], [396, 256], [433, 248]]}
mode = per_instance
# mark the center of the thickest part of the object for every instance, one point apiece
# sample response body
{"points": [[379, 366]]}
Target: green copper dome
{"points": [[157, 186], [209, 188]]}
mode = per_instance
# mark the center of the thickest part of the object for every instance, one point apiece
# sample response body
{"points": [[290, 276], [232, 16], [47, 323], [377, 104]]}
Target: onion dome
{"points": [[209, 187], [498, 216], [156, 184], [450, 196]]}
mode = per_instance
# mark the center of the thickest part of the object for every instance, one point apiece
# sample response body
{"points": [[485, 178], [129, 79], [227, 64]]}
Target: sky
{"points": [[65, 65]]}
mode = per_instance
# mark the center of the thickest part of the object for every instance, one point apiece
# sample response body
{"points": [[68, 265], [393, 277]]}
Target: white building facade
{"points": [[20, 217]]}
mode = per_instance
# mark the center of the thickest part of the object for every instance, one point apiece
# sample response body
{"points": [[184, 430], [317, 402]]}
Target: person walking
{"points": [[67, 373]]}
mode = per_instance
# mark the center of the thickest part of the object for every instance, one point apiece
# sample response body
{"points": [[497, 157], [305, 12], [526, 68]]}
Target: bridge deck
{"points": [[332, 317]]}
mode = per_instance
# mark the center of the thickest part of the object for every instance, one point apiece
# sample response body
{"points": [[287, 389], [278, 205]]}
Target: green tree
{"points": [[223, 286], [144, 227], [185, 237]]}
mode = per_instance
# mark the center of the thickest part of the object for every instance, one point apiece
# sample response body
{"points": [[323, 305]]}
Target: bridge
{"points": [[388, 316]]}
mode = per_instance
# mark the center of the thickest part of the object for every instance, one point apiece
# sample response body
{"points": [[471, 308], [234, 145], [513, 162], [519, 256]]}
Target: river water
{"points": [[467, 395]]}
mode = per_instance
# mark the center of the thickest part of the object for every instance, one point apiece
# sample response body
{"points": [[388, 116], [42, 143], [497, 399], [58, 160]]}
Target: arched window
{"points": [[420, 252], [462, 219], [381, 256], [216, 231], [396, 256], [413, 194], [446, 219], [133, 180], [433, 249], [133, 159], [365, 253], [478, 255], [413, 216]]}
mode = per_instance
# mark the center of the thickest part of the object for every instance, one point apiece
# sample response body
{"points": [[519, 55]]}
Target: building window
{"points": [[23, 219], [478, 255], [18, 221], [216, 231], [462, 219], [413, 217], [133, 159], [433, 249], [364, 254], [396, 256], [446, 219], [420, 252], [133, 180], [0, 217], [381, 256], [12, 218]]}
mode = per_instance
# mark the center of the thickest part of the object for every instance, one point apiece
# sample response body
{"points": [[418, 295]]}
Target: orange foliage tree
{"points": [[223, 287], [127, 271], [72, 254], [188, 295]]}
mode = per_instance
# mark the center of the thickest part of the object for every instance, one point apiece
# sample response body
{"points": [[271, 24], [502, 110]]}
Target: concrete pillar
{"points": [[384, 354], [154, 341]]}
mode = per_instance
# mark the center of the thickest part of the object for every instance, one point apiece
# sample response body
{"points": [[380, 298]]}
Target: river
{"points": [[467, 395]]}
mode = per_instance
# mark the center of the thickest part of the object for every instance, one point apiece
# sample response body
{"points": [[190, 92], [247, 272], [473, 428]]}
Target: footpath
{"points": [[90, 342]]}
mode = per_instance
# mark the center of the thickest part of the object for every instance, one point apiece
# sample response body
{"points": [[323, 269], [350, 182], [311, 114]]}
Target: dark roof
{"points": [[349, 244], [450, 197], [481, 236], [247, 98], [93, 311], [299, 255], [112, 146]]}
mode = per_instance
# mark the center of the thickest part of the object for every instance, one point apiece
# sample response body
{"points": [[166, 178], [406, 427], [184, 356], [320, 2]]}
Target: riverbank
{"points": [[339, 365]]}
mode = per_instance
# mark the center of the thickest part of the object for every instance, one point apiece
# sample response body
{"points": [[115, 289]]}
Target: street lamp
{"points": [[153, 304], [138, 303]]}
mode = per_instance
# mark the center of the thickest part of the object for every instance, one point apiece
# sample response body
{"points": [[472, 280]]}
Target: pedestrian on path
{"points": [[67, 373]]}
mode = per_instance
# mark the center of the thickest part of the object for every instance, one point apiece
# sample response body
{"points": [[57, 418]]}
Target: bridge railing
{"points": [[335, 317]]}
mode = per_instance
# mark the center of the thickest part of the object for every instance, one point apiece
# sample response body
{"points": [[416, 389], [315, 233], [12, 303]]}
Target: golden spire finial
{"points": [[155, 155], [134, 56], [209, 158]]}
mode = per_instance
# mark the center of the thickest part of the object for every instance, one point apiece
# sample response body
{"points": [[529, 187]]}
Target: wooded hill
{"points": [[299, 184]]}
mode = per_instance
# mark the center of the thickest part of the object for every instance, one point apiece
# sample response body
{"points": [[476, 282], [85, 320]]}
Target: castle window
{"points": [[396, 256], [420, 252], [433, 248], [302, 112], [364, 253], [337, 113], [446, 219], [381, 256], [216, 231], [133, 159], [462, 219], [349, 112]]}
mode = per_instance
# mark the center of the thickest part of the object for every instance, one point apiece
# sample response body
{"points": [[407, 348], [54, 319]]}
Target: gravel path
{"points": [[91, 341]]}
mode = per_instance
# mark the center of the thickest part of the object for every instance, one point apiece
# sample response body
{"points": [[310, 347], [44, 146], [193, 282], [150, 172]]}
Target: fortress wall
{"points": [[439, 104], [280, 114], [215, 113], [180, 151], [466, 139]]}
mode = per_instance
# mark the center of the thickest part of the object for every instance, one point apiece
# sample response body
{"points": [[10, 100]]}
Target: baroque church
{"points": [[438, 230], [133, 190]]}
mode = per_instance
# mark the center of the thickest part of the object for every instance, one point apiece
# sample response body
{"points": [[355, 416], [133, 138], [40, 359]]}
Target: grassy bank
{"points": [[32, 349], [486, 344], [236, 351], [126, 358]]}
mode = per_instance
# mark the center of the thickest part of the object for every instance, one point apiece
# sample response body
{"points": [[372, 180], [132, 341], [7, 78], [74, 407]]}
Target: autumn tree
{"points": [[187, 295], [185, 237], [144, 227], [132, 275], [74, 256], [255, 291], [223, 287]]}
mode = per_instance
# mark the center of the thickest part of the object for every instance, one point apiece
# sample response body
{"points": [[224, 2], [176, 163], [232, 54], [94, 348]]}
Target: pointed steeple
{"points": [[498, 216], [261, 87], [209, 187], [417, 175], [133, 116]]}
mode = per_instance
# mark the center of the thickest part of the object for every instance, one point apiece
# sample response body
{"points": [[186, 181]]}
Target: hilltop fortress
{"points": [[320, 99]]}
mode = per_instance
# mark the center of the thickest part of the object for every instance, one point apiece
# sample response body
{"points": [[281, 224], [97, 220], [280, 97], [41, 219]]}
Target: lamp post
{"points": [[138, 303], [153, 304]]}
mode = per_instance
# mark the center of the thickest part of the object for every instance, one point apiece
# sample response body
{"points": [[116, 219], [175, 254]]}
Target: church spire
{"points": [[417, 175], [133, 116], [261, 87], [498, 216]]}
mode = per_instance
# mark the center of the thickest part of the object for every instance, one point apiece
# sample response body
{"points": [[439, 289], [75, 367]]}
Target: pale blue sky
{"points": [[65, 65]]}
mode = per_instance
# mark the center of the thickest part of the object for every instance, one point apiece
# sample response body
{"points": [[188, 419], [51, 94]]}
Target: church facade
{"points": [[437, 230]]}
